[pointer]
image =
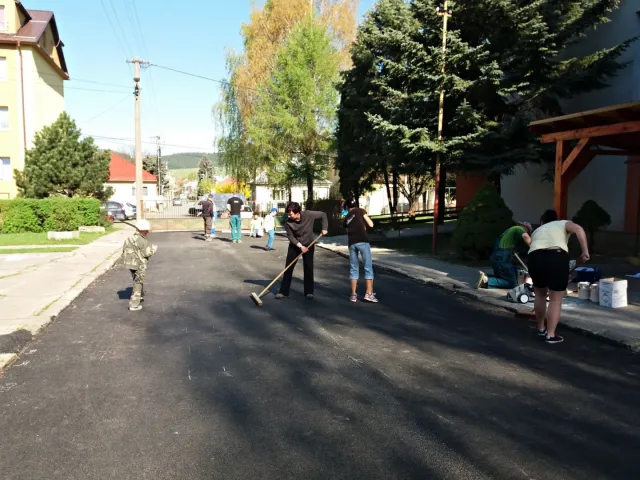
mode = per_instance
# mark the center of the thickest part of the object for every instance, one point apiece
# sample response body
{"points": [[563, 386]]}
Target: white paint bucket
{"points": [[594, 291], [584, 290]]}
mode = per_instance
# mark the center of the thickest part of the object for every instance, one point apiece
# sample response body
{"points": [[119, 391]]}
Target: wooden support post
{"points": [[560, 185]]}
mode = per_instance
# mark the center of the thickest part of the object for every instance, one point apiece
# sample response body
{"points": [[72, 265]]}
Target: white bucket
{"points": [[583, 291], [594, 291]]}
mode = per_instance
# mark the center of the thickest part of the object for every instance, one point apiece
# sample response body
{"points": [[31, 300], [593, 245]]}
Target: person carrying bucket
{"points": [[505, 273]]}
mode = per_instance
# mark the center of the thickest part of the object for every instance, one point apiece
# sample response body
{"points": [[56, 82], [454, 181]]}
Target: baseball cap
{"points": [[143, 225]]}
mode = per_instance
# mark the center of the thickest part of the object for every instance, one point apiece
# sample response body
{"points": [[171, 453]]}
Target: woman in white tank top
{"points": [[549, 269]]}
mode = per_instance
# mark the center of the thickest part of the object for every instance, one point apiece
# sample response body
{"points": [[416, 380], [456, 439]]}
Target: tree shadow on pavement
{"points": [[422, 385], [125, 294]]}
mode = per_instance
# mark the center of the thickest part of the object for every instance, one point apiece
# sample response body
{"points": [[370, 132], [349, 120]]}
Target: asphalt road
{"points": [[202, 384]]}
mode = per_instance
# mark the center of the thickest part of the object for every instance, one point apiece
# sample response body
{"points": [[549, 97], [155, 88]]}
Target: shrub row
{"points": [[50, 214]]}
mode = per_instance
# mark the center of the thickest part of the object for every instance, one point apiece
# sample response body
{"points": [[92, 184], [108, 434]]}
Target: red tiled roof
{"points": [[121, 170]]}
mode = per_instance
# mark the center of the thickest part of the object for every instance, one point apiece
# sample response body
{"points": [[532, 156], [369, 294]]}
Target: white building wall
{"points": [[604, 179], [124, 192]]}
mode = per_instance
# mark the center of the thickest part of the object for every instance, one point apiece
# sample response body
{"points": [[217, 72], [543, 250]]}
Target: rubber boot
{"points": [[136, 298]]}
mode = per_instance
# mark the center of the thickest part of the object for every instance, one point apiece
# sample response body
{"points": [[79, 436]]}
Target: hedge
{"points": [[49, 214]]}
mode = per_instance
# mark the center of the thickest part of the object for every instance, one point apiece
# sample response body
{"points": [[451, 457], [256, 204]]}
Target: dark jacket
{"points": [[302, 231], [207, 208]]}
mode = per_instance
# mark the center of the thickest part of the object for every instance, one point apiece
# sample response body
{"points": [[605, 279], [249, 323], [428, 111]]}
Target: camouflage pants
{"points": [[138, 276]]}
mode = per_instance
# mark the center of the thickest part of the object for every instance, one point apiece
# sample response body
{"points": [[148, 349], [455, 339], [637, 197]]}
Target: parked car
{"points": [[177, 202], [247, 212], [129, 209], [197, 210], [114, 209]]}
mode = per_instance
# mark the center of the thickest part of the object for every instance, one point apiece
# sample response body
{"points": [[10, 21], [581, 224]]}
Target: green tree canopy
{"points": [[294, 118], [60, 163]]}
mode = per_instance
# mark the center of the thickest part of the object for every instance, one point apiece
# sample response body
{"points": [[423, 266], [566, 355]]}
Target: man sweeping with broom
{"points": [[299, 227]]}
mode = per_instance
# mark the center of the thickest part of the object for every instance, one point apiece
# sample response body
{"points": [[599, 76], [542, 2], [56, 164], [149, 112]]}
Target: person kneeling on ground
{"points": [[270, 227], [299, 229], [549, 269], [356, 222], [505, 273], [136, 253]]}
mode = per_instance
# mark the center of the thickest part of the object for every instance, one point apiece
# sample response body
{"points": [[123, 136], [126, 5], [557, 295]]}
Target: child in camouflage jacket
{"points": [[136, 253]]}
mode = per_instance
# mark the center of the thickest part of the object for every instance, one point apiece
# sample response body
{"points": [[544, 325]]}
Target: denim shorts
{"points": [[364, 249]]}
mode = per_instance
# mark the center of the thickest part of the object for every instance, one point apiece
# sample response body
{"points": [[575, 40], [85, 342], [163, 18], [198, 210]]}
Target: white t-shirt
{"points": [[550, 235]]}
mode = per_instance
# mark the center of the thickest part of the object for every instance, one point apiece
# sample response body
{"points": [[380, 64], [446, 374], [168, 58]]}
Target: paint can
{"points": [[584, 292], [595, 292]]}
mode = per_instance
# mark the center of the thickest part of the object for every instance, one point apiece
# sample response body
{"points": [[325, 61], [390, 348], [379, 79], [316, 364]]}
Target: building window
{"points": [[278, 195], [3, 22], [145, 191], [3, 69], [4, 118], [5, 169]]}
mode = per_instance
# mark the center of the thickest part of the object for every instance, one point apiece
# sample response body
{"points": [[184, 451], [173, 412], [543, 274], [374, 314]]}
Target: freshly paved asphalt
{"points": [[202, 384]]}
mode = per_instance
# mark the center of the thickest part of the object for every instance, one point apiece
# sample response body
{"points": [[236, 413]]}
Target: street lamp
{"points": [[445, 13]]}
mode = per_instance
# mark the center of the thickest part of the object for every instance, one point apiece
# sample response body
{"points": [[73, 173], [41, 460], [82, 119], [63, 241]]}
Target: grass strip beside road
{"points": [[9, 251], [19, 239]]}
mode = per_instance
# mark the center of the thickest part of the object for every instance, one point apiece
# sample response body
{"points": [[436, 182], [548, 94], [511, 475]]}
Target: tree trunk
{"points": [[442, 194], [388, 187], [395, 191], [424, 200], [309, 203], [289, 195], [495, 179]]}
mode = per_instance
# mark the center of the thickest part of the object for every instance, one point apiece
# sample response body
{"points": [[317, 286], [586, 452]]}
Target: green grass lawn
{"points": [[8, 251], [10, 239]]}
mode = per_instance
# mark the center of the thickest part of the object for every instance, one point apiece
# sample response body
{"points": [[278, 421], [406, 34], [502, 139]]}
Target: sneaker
{"points": [[481, 281], [310, 296], [542, 333], [555, 339], [370, 297], [280, 296], [353, 298]]}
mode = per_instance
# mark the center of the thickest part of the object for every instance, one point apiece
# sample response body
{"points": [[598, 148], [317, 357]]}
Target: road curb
{"points": [[462, 289], [53, 311]]}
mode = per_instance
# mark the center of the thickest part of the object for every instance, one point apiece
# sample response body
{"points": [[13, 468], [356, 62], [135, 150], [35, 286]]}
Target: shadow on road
{"points": [[419, 386]]}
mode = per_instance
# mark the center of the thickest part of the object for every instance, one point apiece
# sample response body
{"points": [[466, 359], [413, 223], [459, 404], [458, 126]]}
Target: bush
{"points": [[21, 218], [592, 217], [50, 214], [480, 224]]}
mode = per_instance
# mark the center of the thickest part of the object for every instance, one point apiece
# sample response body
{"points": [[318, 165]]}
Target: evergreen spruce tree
{"points": [[59, 163]]}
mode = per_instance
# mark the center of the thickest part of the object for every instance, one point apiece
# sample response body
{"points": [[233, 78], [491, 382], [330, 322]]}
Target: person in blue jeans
{"points": [[269, 226], [214, 217], [235, 207], [356, 222]]}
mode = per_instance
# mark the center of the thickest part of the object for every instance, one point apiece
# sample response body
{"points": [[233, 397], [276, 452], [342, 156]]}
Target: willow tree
{"points": [[294, 115]]}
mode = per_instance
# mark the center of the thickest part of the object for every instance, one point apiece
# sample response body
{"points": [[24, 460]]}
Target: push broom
{"points": [[258, 298]]}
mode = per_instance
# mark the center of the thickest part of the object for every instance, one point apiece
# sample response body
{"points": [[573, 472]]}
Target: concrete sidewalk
{"points": [[35, 288], [616, 326]]}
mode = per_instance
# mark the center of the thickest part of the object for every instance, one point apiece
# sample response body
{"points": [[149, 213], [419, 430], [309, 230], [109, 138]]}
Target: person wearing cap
{"points": [[207, 216], [136, 253], [505, 273], [269, 226]]}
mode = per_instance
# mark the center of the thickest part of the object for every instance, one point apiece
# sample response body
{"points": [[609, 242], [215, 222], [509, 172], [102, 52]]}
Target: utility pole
{"points": [[136, 92], [158, 163], [445, 13]]}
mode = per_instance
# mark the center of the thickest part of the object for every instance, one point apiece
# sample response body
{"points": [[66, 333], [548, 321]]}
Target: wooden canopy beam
{"points": [[578, 150], [601, 131]]}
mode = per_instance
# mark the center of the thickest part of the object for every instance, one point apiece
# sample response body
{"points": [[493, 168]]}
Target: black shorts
{"points": [[549, 269]]}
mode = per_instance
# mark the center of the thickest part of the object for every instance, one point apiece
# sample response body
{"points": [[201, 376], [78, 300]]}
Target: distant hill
{"points": [[187, 159]]}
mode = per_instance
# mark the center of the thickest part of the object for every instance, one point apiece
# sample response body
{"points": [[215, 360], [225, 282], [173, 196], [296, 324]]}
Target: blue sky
{"points": [[192, 35]]}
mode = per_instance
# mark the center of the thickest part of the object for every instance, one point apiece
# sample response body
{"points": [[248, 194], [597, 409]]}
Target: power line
{"points": [[148, 142], [144, 44], [73, 79], [124, 35], [114, 30], [126, 97]]}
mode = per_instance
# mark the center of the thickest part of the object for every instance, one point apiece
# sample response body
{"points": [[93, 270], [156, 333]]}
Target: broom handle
{"points": [[288, 267]]}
